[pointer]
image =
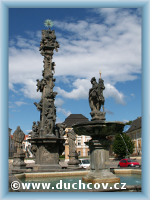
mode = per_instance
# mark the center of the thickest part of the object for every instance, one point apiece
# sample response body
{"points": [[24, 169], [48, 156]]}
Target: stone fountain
{"points": [[99, 130], [47, 138]]}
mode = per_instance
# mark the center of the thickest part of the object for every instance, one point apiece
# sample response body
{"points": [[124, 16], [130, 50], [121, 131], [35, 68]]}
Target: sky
{"points": [[90, 39]]}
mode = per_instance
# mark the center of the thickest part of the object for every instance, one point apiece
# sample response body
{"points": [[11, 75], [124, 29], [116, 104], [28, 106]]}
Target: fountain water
{"points": [[125, 145]]}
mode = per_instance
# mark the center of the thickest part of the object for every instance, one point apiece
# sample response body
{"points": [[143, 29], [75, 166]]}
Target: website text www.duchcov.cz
{"points": [[16, 185]]}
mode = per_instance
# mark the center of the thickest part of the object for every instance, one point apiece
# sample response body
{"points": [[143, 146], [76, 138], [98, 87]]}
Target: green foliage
{"points": [[129, 123], [62, 156], [119, 146]]}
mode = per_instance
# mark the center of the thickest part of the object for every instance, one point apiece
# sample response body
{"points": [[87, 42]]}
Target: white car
{"points": [[84, 163]]}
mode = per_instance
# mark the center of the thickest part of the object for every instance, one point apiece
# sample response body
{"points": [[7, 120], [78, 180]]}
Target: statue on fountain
{"points": [[96, 99], [99, 130]]}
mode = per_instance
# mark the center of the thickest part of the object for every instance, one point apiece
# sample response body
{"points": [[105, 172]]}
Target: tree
{"points": [[129, 122], [123, 145]]}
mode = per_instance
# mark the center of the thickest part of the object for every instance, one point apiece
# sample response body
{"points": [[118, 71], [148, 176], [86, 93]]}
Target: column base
{"points": [[103, 176]]}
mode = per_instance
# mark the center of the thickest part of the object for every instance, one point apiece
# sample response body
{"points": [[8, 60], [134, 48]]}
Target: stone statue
{"points": [[36, 129], [40, 84], [96, 99], [61, 129], [18, 137], [39, 105], [18, 161], [53, 66], [73, 156], [71, 141]]}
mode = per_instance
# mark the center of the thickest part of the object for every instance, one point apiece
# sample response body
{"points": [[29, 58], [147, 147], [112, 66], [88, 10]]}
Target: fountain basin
{"points": [[132, 178], [99, 130]]}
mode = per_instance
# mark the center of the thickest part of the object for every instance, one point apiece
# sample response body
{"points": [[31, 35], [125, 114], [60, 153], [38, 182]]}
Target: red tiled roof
{"points": [[26, 137]]}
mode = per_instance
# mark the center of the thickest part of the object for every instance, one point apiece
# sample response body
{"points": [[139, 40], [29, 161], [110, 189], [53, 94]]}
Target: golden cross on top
{"points": [[100, 73]]}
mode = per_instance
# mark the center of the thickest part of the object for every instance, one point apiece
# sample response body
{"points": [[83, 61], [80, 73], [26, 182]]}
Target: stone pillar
{"points": [[99, 165]]}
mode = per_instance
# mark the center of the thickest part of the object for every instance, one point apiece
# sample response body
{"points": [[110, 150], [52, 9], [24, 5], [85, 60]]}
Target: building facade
{"points": [[12, 148], [134, 132]]}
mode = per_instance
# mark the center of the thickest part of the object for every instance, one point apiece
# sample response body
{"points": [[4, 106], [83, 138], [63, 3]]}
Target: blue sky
{"points": [[106, 39]]}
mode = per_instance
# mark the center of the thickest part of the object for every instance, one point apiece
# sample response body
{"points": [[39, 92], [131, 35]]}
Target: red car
{"points": [[128, 163]]}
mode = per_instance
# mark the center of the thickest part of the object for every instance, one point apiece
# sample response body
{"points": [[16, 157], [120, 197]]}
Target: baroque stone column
{"points": [[46, 139]]}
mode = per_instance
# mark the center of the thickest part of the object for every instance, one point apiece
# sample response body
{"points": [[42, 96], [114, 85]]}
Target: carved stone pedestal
{"points": [[97, 115], [73, 160], [18, 161], [99, 165], [47, 153], [102, 176]]}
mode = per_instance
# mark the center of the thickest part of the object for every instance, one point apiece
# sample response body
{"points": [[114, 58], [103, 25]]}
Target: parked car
{"points": [[128, 163], [84, 163]]}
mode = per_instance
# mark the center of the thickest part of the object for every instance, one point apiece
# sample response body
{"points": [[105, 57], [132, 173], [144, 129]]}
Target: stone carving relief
{"points": [[35, 129], [61, 129], [39, 105]]}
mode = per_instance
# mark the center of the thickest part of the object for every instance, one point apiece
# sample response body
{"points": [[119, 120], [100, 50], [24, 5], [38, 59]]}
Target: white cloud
{"points": [[11, 87], [20, 103], [125, 120], [30, 90], [81, 87], [59, 102], [62, 110], [114, 47], [111, 91], [133, 95], [28, 131]]}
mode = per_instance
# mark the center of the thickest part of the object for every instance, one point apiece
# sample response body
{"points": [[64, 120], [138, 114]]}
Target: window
{"points": [[79, 143], [88, 153], [79, 153]]}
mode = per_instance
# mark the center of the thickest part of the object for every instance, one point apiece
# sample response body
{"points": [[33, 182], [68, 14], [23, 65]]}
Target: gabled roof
{"points": [[73, 119], [136, 124]]}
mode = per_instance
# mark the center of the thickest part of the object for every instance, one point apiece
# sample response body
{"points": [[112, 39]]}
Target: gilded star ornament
{"points": [[48, 23]]}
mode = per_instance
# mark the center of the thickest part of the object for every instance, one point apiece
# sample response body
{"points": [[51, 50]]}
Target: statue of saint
{"points": [[96, 98]]}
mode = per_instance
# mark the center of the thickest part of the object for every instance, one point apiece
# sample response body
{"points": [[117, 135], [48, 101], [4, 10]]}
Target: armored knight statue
{"points": [[96, 99]]}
